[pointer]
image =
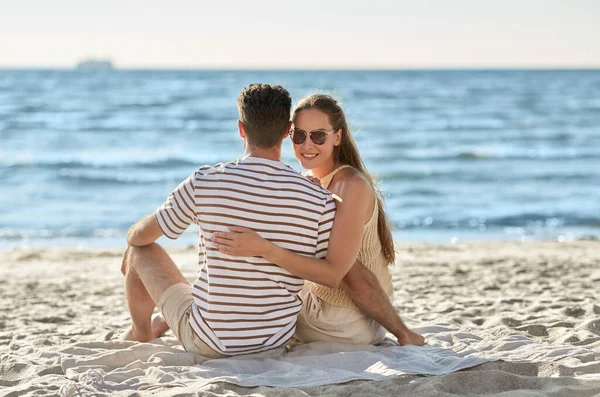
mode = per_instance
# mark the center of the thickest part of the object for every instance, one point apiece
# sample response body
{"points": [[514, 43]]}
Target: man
{"points": [[239, 305], [236, 305]]}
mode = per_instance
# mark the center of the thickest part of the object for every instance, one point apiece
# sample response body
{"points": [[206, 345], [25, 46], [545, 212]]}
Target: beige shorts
{"points": [[175, 305], [322, 321]]}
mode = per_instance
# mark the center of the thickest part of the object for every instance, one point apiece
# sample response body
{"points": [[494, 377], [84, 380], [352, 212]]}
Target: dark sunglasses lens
{"points": [[318, 137], [298, 137]]}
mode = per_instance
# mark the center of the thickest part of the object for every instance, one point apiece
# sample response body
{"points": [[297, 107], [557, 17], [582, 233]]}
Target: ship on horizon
{"points": [[95, 64]]}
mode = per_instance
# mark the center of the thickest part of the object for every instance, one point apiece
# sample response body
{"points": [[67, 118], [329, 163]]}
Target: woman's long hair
{"points": [[347, 154]]}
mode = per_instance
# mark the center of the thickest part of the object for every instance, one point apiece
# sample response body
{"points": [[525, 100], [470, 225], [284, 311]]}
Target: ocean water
{"points": [[460, 155]]}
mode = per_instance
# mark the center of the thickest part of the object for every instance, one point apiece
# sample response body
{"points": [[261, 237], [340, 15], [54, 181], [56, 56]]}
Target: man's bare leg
{"points": [[140, 306], [149, 272]]}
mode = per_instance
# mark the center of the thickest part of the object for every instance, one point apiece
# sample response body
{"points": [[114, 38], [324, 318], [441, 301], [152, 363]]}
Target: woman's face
{"points": [[312, 156]]}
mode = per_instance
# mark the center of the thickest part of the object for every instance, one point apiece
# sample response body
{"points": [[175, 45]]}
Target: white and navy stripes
{"points": [[247, 304]]}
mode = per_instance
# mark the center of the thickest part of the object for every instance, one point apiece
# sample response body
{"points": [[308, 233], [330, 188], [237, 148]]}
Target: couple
{"points": [[264, 230]]}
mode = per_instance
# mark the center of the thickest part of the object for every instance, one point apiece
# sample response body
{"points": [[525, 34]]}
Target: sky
{"points": [[269, 34]]}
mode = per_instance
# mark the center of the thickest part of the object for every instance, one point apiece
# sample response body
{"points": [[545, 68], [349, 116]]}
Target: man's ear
{"points": [[287, 130], [242, 129]]}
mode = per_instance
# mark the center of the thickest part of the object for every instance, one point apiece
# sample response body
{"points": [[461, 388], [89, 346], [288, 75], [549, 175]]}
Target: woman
{"points": [[361, 233]]}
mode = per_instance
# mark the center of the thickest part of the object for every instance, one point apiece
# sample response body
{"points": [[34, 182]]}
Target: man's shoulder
{"points": [[308, 186], [258, 170], [212, 169]]}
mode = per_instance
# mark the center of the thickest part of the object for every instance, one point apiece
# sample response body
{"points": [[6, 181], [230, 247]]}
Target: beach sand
{"points": [[546, 291]]}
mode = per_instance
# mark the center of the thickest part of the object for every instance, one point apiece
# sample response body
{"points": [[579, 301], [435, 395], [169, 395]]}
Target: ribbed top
{"points": [[370, 256]]}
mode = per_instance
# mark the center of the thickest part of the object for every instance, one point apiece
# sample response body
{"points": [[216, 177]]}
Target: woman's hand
{"points": [[241, 241], [313, 179]]}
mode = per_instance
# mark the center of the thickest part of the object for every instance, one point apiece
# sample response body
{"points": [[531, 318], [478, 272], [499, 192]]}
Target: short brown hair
{"points": [[265, 112]]}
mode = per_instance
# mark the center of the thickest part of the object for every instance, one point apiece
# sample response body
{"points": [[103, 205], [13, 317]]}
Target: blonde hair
{"points": [[347, 154]]}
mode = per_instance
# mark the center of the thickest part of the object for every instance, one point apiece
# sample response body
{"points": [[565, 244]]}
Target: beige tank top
{"points": [[370, 256]]}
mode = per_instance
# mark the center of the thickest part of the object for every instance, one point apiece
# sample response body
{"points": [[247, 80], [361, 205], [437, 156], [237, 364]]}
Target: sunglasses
{"points": [[318, 137]]}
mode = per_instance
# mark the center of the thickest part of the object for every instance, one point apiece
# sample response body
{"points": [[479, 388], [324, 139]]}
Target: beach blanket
{"points": [[96, 368]]}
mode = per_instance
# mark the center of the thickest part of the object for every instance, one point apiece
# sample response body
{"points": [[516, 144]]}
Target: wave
{"points": [[7, 234], [117, 179], [486, 156], [473, 156], [367, 94], [78, 164], [148, 105], [423, 192], [12, 234], [123, 171], [529, 221], [533, 219], [28, 109], [475, 178], [393, 176], [517, 224], [206, 116]]}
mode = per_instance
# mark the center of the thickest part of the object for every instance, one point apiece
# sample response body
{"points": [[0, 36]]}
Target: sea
{"points": [[460, 155]]}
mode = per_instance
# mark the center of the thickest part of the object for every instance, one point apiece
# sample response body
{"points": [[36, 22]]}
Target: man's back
{"points": [[245, 305]]}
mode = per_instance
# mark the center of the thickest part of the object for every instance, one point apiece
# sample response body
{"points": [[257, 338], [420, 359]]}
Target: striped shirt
{"points": [[247, 304]]}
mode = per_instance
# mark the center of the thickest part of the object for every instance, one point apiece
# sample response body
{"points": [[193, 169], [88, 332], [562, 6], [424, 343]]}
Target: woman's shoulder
{"points": [[351, 181]]}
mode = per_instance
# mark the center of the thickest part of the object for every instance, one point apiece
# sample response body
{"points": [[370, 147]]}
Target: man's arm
{"points": [[171, 219], [144, 232], [366, 293]]}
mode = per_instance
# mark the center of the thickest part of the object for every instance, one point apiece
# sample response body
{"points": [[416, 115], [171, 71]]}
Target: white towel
{"points": [[104, 367]]}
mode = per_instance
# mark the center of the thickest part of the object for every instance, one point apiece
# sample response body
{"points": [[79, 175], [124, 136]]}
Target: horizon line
{"points": [[116, 68]]}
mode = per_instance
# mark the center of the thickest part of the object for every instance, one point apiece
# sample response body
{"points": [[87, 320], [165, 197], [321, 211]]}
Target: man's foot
{"points": [[159, 325], [411, 338], [137, 336]]}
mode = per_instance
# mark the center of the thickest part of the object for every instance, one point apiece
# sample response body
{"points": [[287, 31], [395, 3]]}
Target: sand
{"points": [[545, 291]]}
